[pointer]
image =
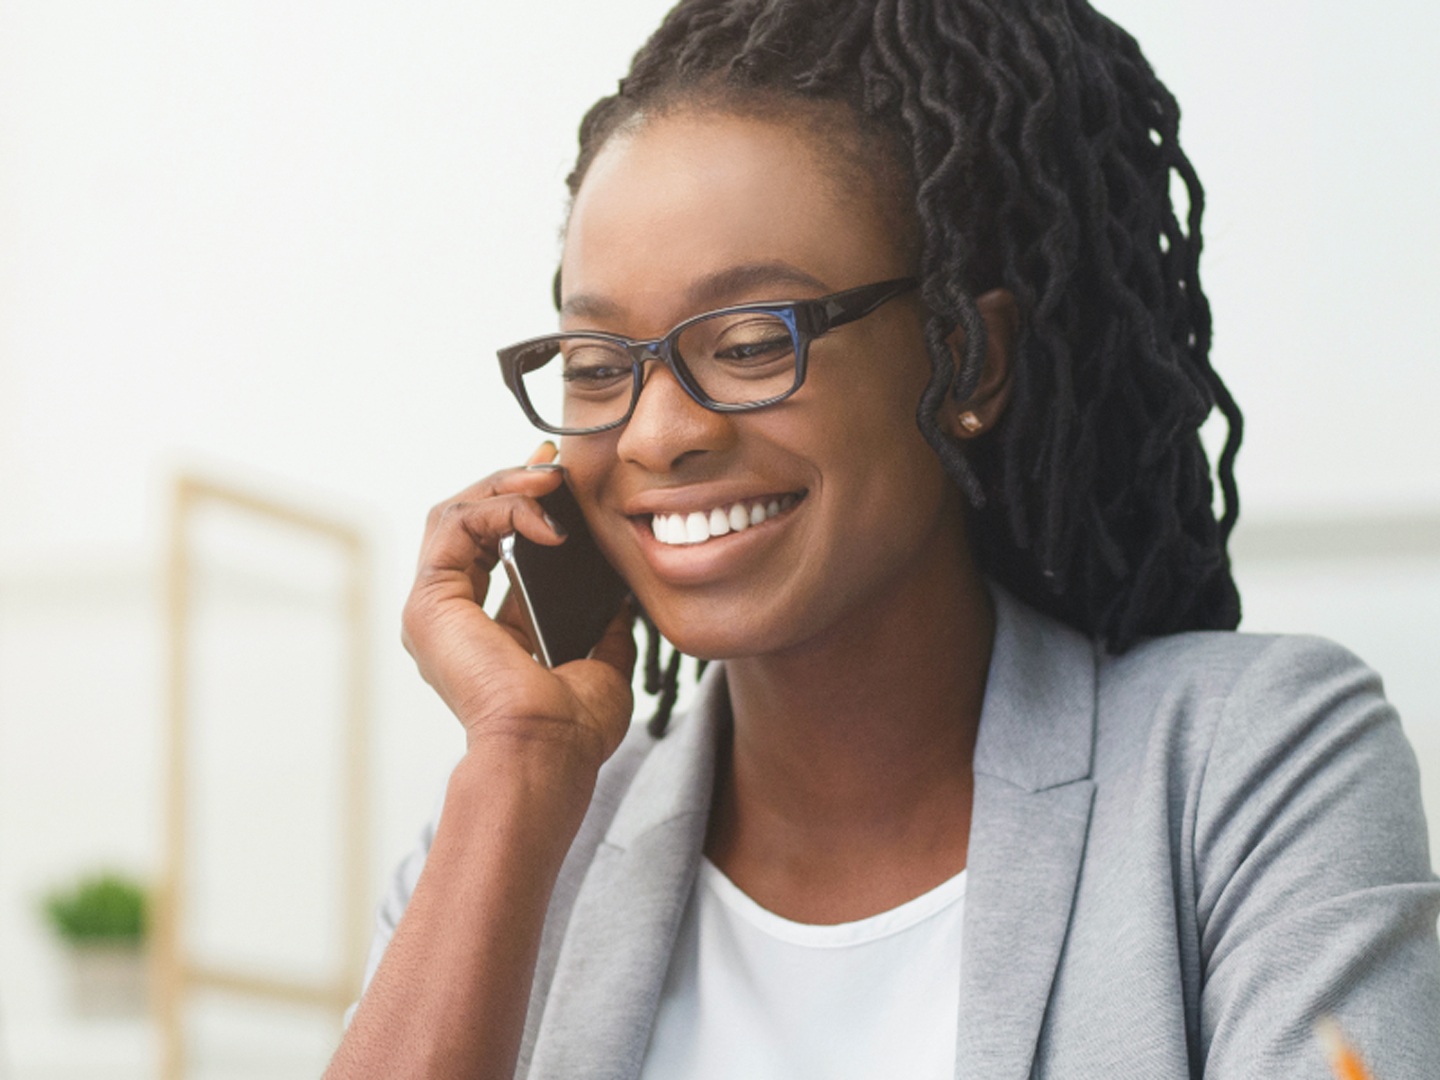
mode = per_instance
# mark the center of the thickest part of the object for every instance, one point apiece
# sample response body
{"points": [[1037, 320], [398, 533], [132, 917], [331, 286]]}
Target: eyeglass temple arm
{"points": [[852, 304]]}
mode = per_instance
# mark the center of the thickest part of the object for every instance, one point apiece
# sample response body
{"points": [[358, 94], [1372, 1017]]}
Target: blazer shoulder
{"points": [[1169, 699], [1191, 669], [1231, 650]]}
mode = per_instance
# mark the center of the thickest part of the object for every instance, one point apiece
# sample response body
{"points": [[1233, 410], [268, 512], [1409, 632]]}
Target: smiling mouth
{"points": [[699, 526]]}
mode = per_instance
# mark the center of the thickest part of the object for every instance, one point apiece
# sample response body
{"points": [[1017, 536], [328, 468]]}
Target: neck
{"points": [[847, 784]]}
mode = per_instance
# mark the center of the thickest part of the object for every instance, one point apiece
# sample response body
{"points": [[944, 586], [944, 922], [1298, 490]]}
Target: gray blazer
{"points": [[1179, 858]]}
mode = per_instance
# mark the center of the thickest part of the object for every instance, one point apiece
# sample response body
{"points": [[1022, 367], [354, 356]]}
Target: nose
{"points": [[668, 426]]}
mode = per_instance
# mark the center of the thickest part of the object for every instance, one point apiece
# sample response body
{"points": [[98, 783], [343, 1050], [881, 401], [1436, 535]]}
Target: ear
{"points": [[979, 412]]}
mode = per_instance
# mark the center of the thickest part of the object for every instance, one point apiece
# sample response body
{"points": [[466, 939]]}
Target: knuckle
{"points": [[414, 622]]}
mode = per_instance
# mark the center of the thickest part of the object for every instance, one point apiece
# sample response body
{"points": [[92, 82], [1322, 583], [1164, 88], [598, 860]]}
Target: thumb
{"points": [[617, 647], [601, 683]]}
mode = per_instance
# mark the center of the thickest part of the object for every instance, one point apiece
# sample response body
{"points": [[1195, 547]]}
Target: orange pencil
{"points": [[1344, 1059]]}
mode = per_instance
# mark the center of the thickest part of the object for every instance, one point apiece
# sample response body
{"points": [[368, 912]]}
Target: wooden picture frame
{"points": [[177, 975]]}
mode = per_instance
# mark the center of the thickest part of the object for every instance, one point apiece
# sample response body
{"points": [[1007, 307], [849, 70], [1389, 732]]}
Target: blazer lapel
{"points": [[1027, 836], [616, 950]]}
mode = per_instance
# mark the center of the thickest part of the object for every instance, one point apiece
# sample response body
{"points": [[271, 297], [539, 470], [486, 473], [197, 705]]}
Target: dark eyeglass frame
{"points": [[806, 320]]}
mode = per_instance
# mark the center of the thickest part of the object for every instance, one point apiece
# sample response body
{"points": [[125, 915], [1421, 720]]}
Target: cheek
{"points": [[886, 485], [589, 461], [592, 465], [893, 500], [872, 427]]}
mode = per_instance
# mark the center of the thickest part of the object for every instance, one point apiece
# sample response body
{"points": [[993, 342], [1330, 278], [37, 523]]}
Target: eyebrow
{"points": [[713, 290]]}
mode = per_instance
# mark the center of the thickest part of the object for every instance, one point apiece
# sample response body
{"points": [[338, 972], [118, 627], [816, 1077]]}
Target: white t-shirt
{"points": [[752, 995]]}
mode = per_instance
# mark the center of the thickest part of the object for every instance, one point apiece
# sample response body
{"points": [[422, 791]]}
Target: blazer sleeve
{"points": [[1315, 894]]}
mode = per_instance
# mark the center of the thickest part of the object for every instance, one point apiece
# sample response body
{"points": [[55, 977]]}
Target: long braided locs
{"points": [[1042, 151]]}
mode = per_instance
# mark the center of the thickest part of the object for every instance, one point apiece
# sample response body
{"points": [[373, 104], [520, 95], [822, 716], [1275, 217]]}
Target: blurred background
{"points": [[276, 244]]}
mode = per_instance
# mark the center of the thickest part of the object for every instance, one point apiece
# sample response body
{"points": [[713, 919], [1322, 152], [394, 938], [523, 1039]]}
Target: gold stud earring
{"points": [[970, 422]]}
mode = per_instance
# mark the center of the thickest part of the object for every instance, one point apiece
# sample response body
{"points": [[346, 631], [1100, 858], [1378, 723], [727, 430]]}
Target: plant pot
{"points": [[109, 980]]}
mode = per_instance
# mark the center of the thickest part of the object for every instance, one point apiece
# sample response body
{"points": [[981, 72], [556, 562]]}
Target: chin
{"points": [[710, 629], [718, 643]]}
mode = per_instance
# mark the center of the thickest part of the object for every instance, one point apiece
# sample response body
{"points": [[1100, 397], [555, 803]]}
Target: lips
{"points": [[698, 526]]}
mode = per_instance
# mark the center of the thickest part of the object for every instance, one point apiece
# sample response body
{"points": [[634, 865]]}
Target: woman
{"points": [[973, 701]]}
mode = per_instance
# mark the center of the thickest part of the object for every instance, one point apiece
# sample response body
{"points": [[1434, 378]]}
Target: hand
{"points": [[482, 667], [450, 994]]}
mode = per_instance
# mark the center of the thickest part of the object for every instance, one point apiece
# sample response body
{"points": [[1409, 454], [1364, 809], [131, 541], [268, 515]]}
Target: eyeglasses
{"points": [[731, 360]]}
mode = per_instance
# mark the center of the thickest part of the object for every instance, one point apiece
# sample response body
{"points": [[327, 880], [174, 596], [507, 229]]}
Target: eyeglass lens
{"points": [[735, 359]]}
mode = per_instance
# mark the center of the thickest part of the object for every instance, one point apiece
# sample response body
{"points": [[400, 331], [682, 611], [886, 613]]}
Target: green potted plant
{"points": [[103, 919]]}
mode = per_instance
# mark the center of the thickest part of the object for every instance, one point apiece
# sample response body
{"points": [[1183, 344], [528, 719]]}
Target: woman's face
{"points": [[693, 211]]}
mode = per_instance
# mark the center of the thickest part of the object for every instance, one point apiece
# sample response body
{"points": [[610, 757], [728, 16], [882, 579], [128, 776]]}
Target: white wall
{"points": [[1316, 129], [281, 241]]}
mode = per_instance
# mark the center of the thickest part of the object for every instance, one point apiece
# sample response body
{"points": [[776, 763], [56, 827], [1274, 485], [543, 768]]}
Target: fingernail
{"points": [[548, 450], [555, 525]]}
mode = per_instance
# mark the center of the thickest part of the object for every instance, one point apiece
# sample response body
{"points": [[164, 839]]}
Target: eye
{"points": [[591, 375], [745, 341], [763, 349], [594, 366]]}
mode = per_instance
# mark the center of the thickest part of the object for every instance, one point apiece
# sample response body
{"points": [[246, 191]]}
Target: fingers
{"points": [[466, 538], [465, 532], [462, 546], [545, 453], [456, 646], [509, 617], [482, 667], [528, 481]]}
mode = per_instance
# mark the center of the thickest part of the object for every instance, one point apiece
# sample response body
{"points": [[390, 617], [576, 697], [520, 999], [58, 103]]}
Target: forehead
{"points": [[689, 196]]}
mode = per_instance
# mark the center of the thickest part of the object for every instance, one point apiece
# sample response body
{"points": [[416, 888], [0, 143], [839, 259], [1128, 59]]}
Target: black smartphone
{"points": [[567, 594]]}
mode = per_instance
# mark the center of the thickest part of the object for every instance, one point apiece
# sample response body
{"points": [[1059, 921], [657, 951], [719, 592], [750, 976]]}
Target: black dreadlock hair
{"points": [[662, 682], [1041, 154]]}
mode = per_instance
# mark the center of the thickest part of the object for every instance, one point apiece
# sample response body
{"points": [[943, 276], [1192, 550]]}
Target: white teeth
{"points": [[697, 527]]}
